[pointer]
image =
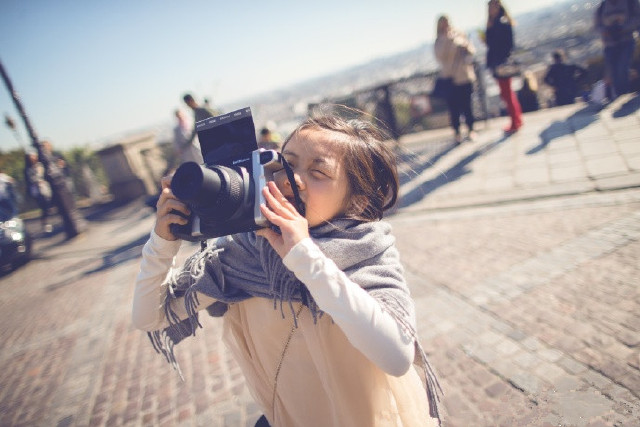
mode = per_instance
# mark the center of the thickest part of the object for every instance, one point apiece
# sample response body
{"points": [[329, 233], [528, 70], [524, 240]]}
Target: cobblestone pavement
{"points": [[530, 312], [522, 255]]}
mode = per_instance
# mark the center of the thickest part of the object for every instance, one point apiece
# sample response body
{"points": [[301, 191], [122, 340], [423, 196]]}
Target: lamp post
{"points": [[61, 196]]}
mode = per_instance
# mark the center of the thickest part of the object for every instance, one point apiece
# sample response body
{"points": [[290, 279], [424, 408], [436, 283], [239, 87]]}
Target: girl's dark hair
{"points": [[369, 163]]}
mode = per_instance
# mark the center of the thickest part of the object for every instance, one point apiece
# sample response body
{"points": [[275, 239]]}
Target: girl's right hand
{"points": [[166, 209], [280, 212]]}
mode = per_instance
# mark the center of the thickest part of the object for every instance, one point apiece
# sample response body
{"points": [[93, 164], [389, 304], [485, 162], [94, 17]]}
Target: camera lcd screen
{"points": [[228, 135]]}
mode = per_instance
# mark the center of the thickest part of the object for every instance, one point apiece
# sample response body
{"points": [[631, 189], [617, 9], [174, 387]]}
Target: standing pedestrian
{"points": [[528, 93], [454, 52], [499, 40], [268, 139], [617, 20], [318, 314], [186, 148], [199, 113], [58, 158], [38, 188], [563, 78]]}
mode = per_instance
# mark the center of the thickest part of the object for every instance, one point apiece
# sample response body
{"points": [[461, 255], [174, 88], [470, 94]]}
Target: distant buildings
{"points": [[568, 25]]}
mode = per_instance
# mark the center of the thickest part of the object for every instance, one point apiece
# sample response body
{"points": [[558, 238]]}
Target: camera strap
{"points": [[294, 187]]}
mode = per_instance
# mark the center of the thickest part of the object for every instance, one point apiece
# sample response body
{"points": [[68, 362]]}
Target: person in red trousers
{"points": [[499, 40]]}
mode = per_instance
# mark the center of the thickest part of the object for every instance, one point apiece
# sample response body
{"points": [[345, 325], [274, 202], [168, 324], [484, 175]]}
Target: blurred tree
{"points": [[61, 195]]}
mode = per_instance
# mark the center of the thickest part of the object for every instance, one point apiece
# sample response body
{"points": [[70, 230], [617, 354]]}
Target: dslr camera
{"points": [[224, 193]]}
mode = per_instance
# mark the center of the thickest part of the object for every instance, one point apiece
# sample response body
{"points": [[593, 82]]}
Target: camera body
{"points": [[225, 193]]}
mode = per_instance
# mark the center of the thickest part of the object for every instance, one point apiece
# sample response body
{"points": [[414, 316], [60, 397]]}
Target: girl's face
{"points": [[322, 181]]}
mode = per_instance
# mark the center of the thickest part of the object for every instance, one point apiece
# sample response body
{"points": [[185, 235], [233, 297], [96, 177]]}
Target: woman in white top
{"points": [[454, 52], [318, 314], [186, 148]]}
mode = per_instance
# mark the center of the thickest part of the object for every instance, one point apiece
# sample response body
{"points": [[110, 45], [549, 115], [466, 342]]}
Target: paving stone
{"points": [[618, 182], [577, 408], [550, 355], [605, 165], [567, 383], [568, 173], [571, 366], [507, 348], [563, 159], [549, 372], [531, 343], [525, 359], [526, 382], [497, 389], [594, 149], [633, 163]]}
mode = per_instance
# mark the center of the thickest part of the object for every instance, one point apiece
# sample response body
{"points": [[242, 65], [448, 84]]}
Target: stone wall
{"points": [[134, 166]]}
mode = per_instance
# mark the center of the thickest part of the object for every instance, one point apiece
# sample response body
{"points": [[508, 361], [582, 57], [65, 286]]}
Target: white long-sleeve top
{"points": [[454, 53], [371, 330]]}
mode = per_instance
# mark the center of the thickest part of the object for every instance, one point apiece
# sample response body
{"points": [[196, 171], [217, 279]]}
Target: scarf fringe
{"points": [[292, 291], [434, 391], [396, 307], [164, 345], [164, 341]]}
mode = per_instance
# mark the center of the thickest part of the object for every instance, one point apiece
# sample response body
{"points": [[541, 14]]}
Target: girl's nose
{"points": [[298, 181]]}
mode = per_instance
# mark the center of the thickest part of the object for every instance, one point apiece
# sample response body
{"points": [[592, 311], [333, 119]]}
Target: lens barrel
{"points": [[193, 183], [214, 193]]}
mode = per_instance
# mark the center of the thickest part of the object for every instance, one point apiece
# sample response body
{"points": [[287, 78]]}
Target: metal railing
{"points": [[404, 106]]}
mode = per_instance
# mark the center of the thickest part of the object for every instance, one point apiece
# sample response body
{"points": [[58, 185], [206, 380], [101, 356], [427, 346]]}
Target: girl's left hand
{"points": [[280, 212]]}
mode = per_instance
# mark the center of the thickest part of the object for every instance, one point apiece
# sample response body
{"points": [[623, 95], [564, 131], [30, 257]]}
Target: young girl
{"points": [[499, 40], [318, 316]]}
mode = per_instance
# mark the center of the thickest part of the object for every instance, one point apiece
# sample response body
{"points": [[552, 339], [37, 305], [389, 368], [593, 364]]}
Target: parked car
{"points": [[15, 241]]}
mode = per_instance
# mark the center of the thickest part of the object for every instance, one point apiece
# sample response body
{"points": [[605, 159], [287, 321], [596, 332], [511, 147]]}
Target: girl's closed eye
{"points": [[315, 171], [320, 173]]}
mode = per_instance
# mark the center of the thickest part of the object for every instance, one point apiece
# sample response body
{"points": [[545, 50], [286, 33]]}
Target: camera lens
{"points": [[193, 183], [214, 194]]}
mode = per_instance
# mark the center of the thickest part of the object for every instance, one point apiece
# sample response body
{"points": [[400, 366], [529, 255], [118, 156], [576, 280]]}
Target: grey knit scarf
{"points": [[234, 268]]}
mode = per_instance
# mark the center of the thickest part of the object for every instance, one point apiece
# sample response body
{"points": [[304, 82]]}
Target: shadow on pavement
{"points": [[109, 258], [454, 173], [575, 122], [130, 211], [416, 164], [102, 212], [97, 258], [124, 253], [628, 108]]}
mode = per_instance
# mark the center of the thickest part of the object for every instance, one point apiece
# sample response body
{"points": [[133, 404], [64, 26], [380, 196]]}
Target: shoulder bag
{"points": [[509, 68]]}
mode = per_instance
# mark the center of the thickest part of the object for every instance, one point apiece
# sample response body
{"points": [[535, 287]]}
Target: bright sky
{"points": [[90, 70]]}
